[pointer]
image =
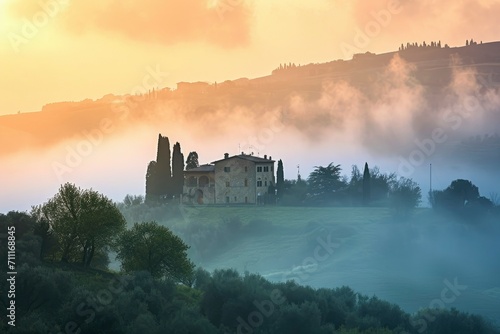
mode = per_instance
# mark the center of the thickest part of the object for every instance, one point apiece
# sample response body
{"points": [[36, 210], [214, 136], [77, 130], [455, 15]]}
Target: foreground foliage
{"points": [[154, 248], [69, 298], [58, 299], [84, 223]]}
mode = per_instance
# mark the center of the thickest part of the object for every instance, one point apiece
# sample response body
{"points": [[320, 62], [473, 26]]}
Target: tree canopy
{"points": [[150, 247], [83, 222], [192, 160], [325, 181]]}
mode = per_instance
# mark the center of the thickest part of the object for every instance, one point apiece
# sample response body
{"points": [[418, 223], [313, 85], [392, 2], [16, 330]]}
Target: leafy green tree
{"points": [[22, 221], [366, 185], [177, 170], [131, 200], [324, 182], [294, 192], [380, 186], [154, 248], [83, 222], [280, 179], [43, 230], [405, 195], [462, 192], [192, 160], [354, 186]]}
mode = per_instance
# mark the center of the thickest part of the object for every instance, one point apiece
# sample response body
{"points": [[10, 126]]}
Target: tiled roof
{"points": [[247, 157], [201, 169]]}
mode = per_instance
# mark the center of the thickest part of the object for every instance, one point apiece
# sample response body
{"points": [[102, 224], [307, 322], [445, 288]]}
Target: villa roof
{"points": [[201, 169], [247, 157]]}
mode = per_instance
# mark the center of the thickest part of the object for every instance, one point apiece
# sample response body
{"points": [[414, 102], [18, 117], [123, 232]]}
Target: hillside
{"points": [[431, 68], [403, 261]]}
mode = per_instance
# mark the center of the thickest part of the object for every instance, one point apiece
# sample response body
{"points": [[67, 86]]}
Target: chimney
{"points": [[226, 155], [270, 158], [265, 156], [242, 153]]}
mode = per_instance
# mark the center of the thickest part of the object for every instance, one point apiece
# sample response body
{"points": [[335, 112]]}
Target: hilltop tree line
{"points": [[432, 44], [326, 186], [423, 45], [463, 200]]}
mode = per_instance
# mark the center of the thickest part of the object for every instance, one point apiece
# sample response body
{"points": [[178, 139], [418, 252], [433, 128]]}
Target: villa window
{"points": [[259, 183], [246, 182], [259, 169], [266, 169]]}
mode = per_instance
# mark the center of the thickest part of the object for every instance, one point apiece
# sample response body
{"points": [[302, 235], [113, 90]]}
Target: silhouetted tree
{"points": [[154, 248], [131, 200], [192, 160], [163, 166], [152, 182], [405, 196], [462, 192], [177, 170], [324, 182], [366, 185], [280, 179], [43, 230], [380, 186], [84, 222]]}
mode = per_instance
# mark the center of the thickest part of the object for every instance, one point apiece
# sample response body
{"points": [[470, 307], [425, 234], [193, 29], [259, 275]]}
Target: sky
{"points": [[66, 50], [63, 50]]}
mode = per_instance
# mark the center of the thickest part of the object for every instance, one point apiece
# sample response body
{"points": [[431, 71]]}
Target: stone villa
{"points": [[240, 179]]}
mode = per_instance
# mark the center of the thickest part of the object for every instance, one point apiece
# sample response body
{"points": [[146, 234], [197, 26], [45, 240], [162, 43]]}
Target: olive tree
{"points": [[84, 222], [154, 248]]}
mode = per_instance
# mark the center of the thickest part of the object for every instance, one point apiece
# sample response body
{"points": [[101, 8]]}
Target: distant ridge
{"points": [[433, 69]]}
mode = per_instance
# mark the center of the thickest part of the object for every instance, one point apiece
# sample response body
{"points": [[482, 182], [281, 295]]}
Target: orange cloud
{"points": [[225, 23]]}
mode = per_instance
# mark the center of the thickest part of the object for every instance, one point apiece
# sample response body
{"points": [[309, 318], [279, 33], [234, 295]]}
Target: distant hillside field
{"points": [[407, 262]]}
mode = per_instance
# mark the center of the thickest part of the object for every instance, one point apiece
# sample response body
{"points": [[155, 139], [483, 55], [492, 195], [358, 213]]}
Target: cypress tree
{"points": [[152, 192], [164, 169], [280, 179], [366, 185], [177, 170]]}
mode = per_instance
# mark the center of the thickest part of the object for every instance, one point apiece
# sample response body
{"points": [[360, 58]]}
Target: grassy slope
{"points": [[405, 262]]}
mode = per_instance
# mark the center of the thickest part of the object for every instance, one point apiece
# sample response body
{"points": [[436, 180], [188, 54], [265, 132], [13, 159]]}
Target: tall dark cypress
{"points": [[164, 169], [177, 170], [366, 185], [152, 192], [280, 179]]}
